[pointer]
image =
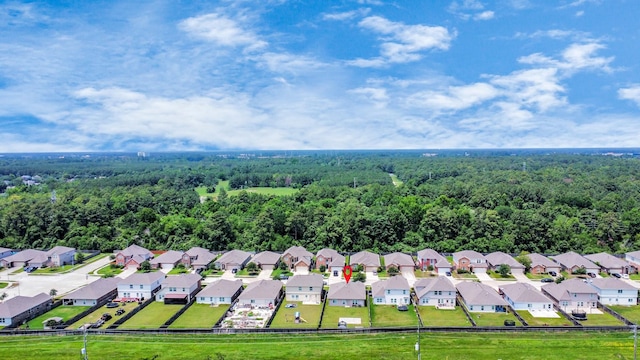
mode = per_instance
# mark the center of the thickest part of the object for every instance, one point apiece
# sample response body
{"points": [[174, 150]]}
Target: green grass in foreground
{"points": [[95, 316], [3, 285], [285, 316], [493, 319], [434, 317], [63, 311], [389, 316], [452, 346], [200, 316], [535, 321], [151, 317], [632, 313], [332, 315]]}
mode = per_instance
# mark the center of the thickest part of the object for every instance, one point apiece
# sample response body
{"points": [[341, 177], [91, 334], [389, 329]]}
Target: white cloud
{"points": [[370, 2], [347, 15], [288, 63], [630, 93], [485, 15], [579, 13], [221, 30], [456, 6], [534, 88], [454, 98], [378, 96], [575, 57]]}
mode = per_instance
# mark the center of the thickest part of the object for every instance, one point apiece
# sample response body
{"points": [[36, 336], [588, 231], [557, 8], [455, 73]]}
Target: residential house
{"points": [[233, 260], [572, 262], [336, 265], [197, 258], [347, 294], [430, 257], [471, 261], [262, 293], [220, 292], [98, 292], [543, 265], [133, 256], [139, 286], [495, 259], [4, 252], [401, 261], [179, 289], [367, 260], [437, 291], [610, 263], [20, 309], [298, 259], [305, 288], [634, 259], [324, 257], [523, 296], [61, 255], [572, 294], [612, 291], [28, 257], [266, 260], [393, 291], [167, 260], [478, 297]]}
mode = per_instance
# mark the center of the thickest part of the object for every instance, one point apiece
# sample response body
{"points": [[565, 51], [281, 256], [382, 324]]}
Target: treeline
{"points": [[534, 203]]}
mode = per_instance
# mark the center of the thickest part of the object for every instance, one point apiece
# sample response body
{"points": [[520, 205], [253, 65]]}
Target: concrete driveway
{"points": [[265, 275], [410, 275]]}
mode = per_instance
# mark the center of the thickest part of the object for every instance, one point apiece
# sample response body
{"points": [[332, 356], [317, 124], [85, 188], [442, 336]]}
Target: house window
{"points": [[378, 300], [299, 288], [253, 301], [404, 292], [471, 308], [619, 291], [201, 299], [221, 299], [131, 286], [630, 300], [141, 286], [310, 288], [482, 308], [388, 292], [335, 273]]}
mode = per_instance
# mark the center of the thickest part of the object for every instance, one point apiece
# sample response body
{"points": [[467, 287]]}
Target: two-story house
{"points": [[139, 286], [336, 265], [61, 255], [305, 288], [612, 291], [430, 257], [633, 258], [471, 261], [298, 259], [572, 294], [393, 291], [220, 292], [197, 258], [324, 257], [438, 291], [179, 289], [133, 256]]}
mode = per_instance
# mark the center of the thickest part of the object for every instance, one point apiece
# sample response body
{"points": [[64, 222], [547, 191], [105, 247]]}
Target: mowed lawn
{"points": [[632, 313], [332, 315], [535, 321], [63, 311], [95, 316], [151, 317], [200, 316], [400, 346], [389, 316], [603, 319], [493, 319], [284, 318], [431, 316]]}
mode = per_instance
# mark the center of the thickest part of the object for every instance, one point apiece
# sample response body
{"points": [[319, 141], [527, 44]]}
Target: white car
{"points": [[625, 276]]}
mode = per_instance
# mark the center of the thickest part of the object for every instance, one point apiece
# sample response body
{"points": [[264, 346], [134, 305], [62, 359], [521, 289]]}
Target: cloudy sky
{"points": [[286, 74]]}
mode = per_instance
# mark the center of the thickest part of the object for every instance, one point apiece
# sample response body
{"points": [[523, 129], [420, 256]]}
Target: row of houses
{"points": [[54, 257]]}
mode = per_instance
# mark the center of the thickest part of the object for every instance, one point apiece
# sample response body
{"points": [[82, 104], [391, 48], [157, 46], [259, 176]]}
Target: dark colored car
{"points": [[120, 312], [592, 274], [547, 280], [448, 273], [112, 305], [553, 273], [509, 323], [616, 275], [284, 277], [402, 308], [106, 317], [30, 269]]}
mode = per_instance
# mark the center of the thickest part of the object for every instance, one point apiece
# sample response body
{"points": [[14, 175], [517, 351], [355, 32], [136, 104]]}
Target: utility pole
{"points": [[84, 348], [418, 343], [635, 342]]}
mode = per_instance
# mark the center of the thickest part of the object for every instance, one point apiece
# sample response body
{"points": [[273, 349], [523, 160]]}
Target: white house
{"points": [[572, 294], [262, 293], [523, 296], [633, 257], [478, 297], [336, 265], [438, 292], [220, 292], [61, 255], [139, 286], [179, 289], [305, 288], [393, 291], [347, 294], [612, 291], [99, 291]]}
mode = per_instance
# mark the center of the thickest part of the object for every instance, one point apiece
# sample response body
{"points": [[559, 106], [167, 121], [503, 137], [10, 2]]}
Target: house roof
{"points": [[498, 258], [266, 258], [440, 283], [200, 256], [571, 259], [564, 290], [339, 260], [429, 254], [94, 290], [327, 253], [234, 257], [133, 250], [540, 260], [523, 292], [27, 255], [607, 261], [221, 288], [635, 254], [169, 257], [469, 254], [475, 293], [263, 289], [60, 250], [142, 278], [349, 291], [315, 280], [611, 284], [399, 259], [2, 249], [19, 304], [182, 280], [393, 283], [299, 252], [365, 258]]}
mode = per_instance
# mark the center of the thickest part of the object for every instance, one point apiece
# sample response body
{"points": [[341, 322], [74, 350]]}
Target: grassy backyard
{"points": [[601, 320], [434, 317], [151, 317], [200, 316], [332, 315], [389, 316], [95, 316], [632, 313], [65, 312], [534, 321], [285, 316], [493, 319]]}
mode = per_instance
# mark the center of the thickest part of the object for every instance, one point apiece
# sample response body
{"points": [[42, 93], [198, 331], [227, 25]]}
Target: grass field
{"points": [[285, 316], [534, 321], [110, 270], [67, 268], [497, 276], [151, 317], [332, 315], [451, 346], [537, 276], [3, 285], [199, 316], [424, 274], [632, 313], [202, 190], [389, 316], [65, 312], [601, 320], [493, 319], [395, 180], [433, 317], [94, 316]]}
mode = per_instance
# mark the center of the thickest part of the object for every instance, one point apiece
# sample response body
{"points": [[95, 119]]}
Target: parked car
{"points": [[289, 306], [509, 323], [553, 273], [30, 269], [112, 305], [547, 280], [616, 275], [448, 273], [592, 274], [625, 276], [403, 308], [284, 277]]}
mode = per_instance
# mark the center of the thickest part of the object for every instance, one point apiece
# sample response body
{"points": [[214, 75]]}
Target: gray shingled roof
{"points": [[429, 254], [169, 257], [564, 290], [571, 259], [221, 288], [393, 283], [347, 291], [398, 259], [469, 254], [182, 280], [315, 280], [523, 292], [607, 261], [19, 304], [365, 258], [337, 261], [142, 278], [439, 283], [28, 255], [133, 250], [498, 258], [235, 257], [611, 284], [200, 256], [299, 252], [537, 259], [327, 253], [475, 293], [266, 258], [59, 250], [263, 289], [95, 290]]}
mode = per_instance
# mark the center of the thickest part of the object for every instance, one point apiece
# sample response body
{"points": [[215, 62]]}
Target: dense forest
{"points": [[484, 201]]}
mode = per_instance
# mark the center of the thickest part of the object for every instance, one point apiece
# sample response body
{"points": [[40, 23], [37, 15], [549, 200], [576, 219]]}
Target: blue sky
{"points": [[352, 74]]}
